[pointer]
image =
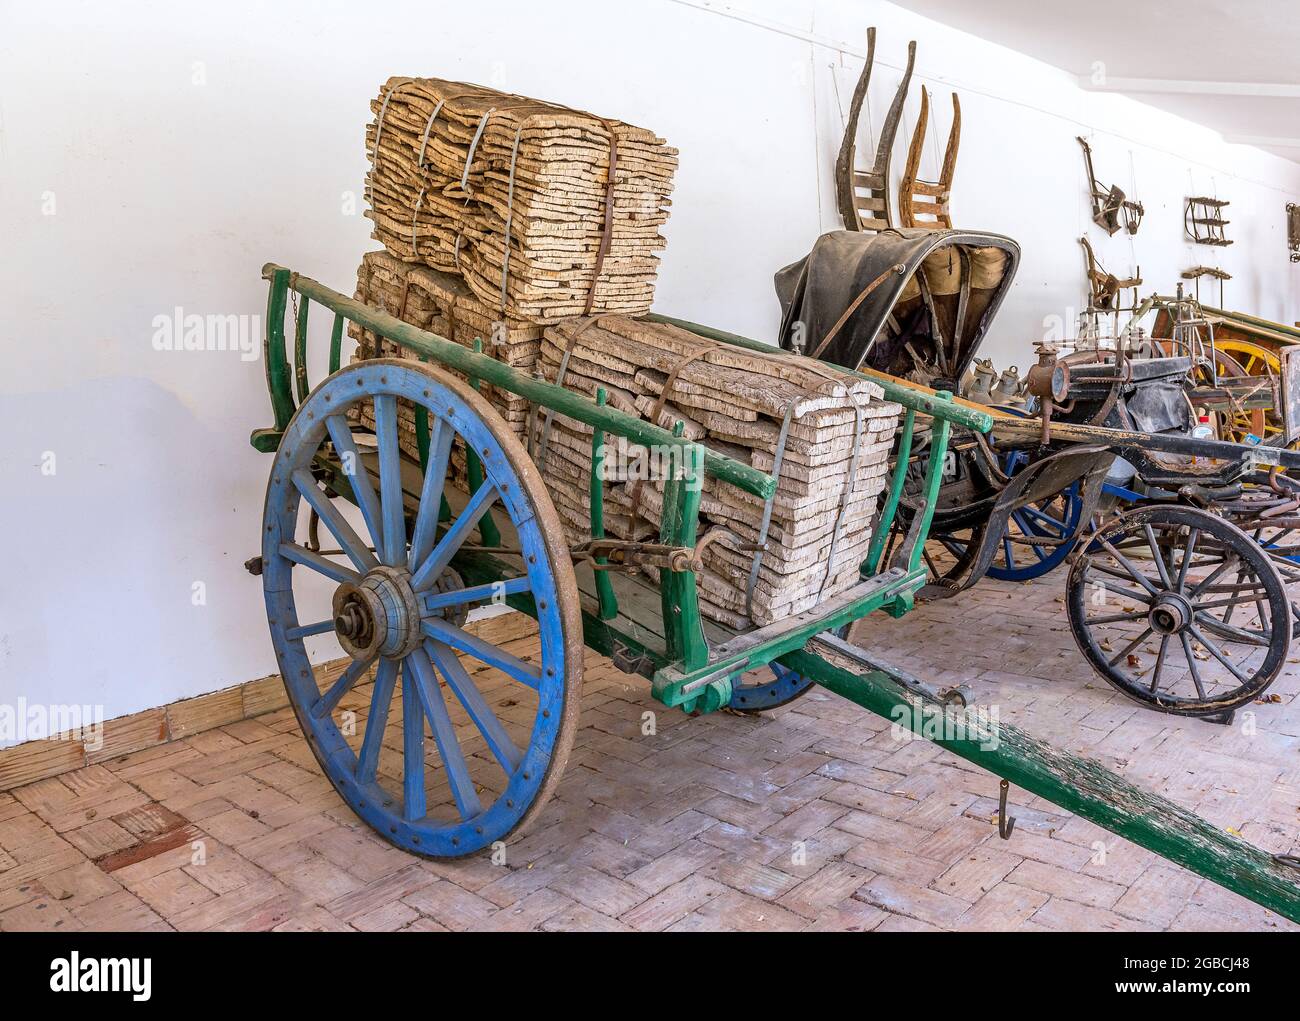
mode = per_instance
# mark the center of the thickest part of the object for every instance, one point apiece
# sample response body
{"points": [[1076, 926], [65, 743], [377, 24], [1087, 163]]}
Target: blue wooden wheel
{"points": [[1054, 518], [774, 685], [501, 726]]}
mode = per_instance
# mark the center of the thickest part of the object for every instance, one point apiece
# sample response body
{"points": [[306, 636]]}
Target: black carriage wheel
{"points": [[1180, 610]]}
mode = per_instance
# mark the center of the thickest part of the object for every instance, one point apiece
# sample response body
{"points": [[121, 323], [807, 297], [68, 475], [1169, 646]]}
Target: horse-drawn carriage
{"points": [[1179, 600]]}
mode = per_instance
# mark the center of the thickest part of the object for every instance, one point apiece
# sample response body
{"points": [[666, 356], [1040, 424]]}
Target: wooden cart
{"points": [[430, 552]]}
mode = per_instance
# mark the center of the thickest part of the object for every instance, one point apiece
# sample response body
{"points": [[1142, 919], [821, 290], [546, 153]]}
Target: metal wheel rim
{"points": [[456, 408], [1129, 681]]}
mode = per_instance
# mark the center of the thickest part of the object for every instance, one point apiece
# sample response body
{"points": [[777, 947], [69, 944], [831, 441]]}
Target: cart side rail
{"points": [[440, 350]]}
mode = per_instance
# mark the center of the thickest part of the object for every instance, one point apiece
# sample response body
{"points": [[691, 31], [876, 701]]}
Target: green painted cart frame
{"points": [[693, 664]]}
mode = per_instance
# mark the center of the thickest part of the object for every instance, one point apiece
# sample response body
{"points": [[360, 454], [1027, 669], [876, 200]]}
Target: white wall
{"points": [[154, 156]]}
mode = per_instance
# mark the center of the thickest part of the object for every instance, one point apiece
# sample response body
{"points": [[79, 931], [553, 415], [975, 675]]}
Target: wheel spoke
{"points": [[1114, 618], [453, 759], [1160, 664], [326, 703], [1055, 524], [346, 535], [1210, 579], [1188, 552], [1122, 593], [381, 698], [1217, 653], [435, 477], [321, 565], [1191, 664], [1157, 554], [1129, 566], [390, 480], [413, 804], [1130, 647], [439, 630], [306, 630], [432, 601], [452, 539], [354, 470], [1244, 635], [460, 682]]}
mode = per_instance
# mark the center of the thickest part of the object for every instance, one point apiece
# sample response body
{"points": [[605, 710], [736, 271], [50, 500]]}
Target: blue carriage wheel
{"points": [[775, 685], [1024, 561], [398, 604]]}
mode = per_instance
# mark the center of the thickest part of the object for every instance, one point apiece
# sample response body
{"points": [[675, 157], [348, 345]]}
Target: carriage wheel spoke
{"points": [[1158, 555], [1246, 636], [460, 682], [452, 539], [493, 590], [381, 698], [1130, 647], [1129, 566], [1210, 579], [326, 703], [435, 476], [1217, 653], [320, 564], [1047, 519], [1160, 663], [1188, 552], [1111, 572], [439, 630], [306, 630], [343, 532], [1191, 664], [1114, 618], [444, 736], [390, 480], [413, 803], [355, 472]]}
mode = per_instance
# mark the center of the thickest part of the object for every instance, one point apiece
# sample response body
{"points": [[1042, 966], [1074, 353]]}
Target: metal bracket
{"points": [[1006, 824], [622, 555]]}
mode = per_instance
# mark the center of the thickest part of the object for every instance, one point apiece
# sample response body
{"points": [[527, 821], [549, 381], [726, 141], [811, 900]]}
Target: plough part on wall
{"points": [[1293, 230], [1203, 218], [863, 195], [1110, 208], [929, 199], [1196, 272], [1104, 287]]}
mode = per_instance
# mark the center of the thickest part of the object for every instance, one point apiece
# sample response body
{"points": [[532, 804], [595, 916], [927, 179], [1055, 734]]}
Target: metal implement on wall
{"points": [[1111, 209], [1203, 220], [863, 195]]}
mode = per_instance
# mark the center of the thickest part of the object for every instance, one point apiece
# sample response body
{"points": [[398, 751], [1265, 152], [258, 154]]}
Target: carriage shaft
{"points": [[1078, 785]]}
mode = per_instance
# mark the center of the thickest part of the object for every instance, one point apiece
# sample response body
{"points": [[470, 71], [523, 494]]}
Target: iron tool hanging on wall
{"points": [[1111, 209], [1293, 230], [1203, 219]]}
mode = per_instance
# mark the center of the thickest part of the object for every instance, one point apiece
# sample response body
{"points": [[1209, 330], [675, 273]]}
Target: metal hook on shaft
{"points": [[1005, 823]]}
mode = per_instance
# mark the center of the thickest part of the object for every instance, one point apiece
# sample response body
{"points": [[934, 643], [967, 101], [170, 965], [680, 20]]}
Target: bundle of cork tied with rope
{"points": [[532, 230]]}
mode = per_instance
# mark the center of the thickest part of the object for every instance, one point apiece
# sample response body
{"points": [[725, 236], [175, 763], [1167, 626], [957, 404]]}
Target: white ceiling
{"points": [[1231, 65]]}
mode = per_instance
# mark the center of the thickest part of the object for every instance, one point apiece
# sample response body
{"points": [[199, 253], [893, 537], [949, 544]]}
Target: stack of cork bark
{"points": [[831, 432], [441, 303], [545, 212]]}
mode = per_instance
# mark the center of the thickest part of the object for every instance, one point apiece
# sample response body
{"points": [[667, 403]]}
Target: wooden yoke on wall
{"points": [[929, 199], [863, 195]]}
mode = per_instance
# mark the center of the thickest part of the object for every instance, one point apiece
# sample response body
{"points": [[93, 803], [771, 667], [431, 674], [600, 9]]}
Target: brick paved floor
{"points": [[812, 817]]}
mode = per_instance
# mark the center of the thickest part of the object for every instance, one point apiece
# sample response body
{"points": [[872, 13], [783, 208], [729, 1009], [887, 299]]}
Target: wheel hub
{"points": [[1170, 613], [378, 616]]}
